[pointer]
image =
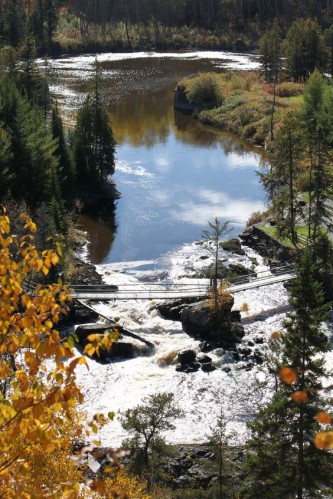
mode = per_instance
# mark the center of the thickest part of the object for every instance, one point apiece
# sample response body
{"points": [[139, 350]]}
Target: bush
{"points": [[255, 218], [289, 89], [203, 90]]}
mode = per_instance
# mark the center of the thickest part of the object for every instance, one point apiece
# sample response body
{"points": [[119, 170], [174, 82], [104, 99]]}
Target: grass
{"points": [[301, 230]]}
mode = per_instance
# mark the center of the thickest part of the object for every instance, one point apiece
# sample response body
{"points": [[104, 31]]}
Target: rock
{"points": [[233, 245], [236, 316], [207, 368], [204, 359], [258, 340], [266, 245], [226, 369], [205, 346], [237, 331], [239, 269], [171, 309], [186, 356], [191, 367], [245, 351]]}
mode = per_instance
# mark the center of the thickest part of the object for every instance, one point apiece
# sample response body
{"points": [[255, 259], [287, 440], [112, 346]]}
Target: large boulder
{"points": [[224, 331]]}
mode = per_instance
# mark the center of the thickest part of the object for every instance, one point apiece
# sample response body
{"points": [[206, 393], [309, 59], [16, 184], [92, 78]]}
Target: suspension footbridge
{"points": [[174, 290]]}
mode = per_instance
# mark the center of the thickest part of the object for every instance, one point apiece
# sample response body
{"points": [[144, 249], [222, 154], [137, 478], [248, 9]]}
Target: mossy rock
{"points": [[233, 245]]}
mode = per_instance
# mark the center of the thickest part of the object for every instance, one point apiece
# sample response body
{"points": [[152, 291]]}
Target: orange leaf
{"points": [[324, 440], [323, 418], [276, 335], [299, 397], [288, 375]]}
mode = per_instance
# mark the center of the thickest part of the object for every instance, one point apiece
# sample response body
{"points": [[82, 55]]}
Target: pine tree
{"points": [[282, 459]]}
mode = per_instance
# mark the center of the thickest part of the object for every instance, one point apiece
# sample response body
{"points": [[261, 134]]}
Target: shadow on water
{"points": [[101, 235]]}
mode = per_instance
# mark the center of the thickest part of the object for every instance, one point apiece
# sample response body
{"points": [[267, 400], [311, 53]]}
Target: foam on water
{"points": [[123, 384]]}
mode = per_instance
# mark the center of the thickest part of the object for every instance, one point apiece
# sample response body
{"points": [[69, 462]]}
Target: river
{"points": [[173, 173]]}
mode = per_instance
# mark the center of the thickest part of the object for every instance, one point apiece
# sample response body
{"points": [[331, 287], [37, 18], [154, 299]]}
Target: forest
{"points": [[69, 25]]}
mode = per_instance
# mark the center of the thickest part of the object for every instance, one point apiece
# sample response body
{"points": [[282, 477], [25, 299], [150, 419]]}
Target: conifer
{"points": [[282, 459]]}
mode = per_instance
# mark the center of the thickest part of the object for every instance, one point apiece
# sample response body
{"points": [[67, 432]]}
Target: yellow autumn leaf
{"points": [[54, 259], [45, 270]]}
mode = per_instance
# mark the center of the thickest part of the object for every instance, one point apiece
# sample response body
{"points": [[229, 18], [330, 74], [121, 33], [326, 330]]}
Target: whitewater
{"points": [[232, 387]]}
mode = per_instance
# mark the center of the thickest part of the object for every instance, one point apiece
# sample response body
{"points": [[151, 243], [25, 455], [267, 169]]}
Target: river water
{"points": [[173, 173]]}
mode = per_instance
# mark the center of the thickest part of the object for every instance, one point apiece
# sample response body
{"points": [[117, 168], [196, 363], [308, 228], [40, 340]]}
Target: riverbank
{"points": [[148, 38], [239, 102]]}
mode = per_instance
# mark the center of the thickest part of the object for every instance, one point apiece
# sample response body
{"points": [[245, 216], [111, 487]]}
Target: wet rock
{"points": [[239, 269], [207, 368], [258, 340], [245, 351], [191, 367], [204, 359], [236, 316], [205, 346], [171, 309], [187, 356], [199, 322], [233, 245]]}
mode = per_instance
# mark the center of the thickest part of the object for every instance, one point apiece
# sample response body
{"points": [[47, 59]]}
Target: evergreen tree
{"points": [[66, 170], [270, 51], [145, 423], [282, 459], [328, 37], [94, 144], [32, 146], [304, 48], [282, 181], [6, 177], [320, 155], [217, 230]]}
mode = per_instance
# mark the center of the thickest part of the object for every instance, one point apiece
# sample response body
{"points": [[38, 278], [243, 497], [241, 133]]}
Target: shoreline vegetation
{"points": [[240, 102]]}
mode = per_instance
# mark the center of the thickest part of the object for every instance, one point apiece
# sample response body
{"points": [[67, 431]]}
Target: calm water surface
{"points": [[173, 173]]}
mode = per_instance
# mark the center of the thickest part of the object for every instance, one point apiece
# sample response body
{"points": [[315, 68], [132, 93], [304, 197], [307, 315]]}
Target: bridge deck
{"points": [[148, 291]]}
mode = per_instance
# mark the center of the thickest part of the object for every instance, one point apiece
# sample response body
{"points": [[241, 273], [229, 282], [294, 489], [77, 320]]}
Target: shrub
{"points": [[203, 90], [289, 89], [255, 218]]}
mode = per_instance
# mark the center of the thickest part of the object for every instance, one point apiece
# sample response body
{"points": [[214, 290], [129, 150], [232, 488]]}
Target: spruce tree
{"points": [[66, 170], [282, 459], [283, 179], [93, 141], [314, 119]]}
